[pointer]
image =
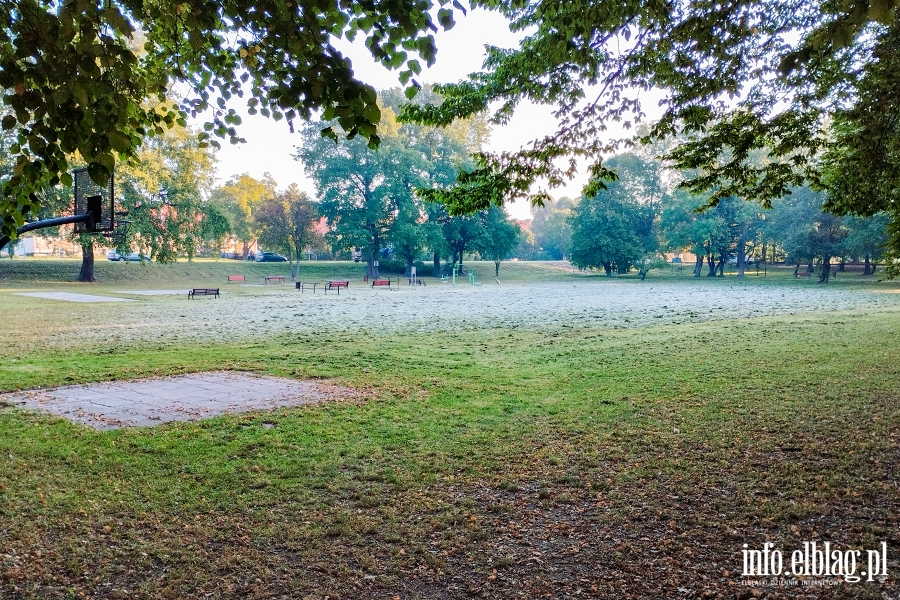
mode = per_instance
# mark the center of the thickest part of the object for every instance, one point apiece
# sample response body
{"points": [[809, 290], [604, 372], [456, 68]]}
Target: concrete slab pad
{"points": [[187, 398], [72, 297], [153, 292]]}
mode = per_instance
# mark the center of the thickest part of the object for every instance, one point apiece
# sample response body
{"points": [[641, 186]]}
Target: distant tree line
{"points": [[644, 214]]}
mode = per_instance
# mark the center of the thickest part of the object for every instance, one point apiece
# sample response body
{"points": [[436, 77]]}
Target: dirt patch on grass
{"points": [[146, 402]]}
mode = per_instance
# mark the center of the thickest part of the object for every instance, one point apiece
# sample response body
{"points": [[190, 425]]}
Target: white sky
{"points": [[270, 145]]}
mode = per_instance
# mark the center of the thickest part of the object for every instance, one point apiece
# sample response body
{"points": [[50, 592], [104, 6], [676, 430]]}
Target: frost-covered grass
{"points": [[260, 312]]}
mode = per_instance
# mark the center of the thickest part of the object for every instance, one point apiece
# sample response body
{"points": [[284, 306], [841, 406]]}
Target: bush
{"points": [[398, 267]]}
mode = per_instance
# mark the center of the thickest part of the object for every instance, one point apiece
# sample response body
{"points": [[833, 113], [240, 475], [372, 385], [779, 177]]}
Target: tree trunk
{"points": [[826, 270], [437, 265], [742, 251], [496, 268], [841, 266], [867, 270], [764, 247], [796, 269], [87, 262], [721, 266], [810, 268], [371, 269], [711, 262], [698, 266], [608, 268], [874, 264]]}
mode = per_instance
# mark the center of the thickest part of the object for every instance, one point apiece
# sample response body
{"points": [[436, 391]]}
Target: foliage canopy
{"points": [[739, 78], [76, 75]]}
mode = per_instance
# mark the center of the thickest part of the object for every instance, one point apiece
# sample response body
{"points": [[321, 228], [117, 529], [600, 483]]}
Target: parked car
{"points": [[133, 257], [270, 257]]}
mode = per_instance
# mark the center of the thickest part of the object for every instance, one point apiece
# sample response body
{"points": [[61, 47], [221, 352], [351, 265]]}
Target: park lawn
{"points": [[203, 272], [29, 272], [603, 463]]}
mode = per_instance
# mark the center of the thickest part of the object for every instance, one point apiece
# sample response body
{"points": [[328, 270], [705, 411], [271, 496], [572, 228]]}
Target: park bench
{"points": [[417, 281], [306, 285], [801, 274], [277, 278], [336, 284], [232, 278], [203, 292], [381, 282]]}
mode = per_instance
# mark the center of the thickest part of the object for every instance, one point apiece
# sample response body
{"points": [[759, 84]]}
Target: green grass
{"points": [[24, 271], [476, 464]]}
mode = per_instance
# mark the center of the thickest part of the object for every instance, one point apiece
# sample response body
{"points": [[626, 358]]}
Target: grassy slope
{"points": [[627, 462], [213, 272]]}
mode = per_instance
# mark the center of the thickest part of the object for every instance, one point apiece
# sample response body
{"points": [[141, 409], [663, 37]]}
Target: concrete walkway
{"points": [[187, 398], [72, 297]]}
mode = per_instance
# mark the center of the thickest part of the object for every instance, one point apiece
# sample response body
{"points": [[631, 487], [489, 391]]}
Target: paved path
{"points": [[153, 292], [190, 397], [72, 297]]}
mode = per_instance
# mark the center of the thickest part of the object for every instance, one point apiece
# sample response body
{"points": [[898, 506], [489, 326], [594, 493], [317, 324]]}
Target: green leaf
{"points": [[445, 18], [120, 142], [372, 113]]}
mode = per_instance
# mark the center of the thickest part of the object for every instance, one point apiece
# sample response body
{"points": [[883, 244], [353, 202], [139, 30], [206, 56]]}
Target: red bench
{"points": [[235, 278], [381, 282], [337, 284], [277, 278]]}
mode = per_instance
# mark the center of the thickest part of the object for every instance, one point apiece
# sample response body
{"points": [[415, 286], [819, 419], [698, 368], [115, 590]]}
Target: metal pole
{"points": [[47, 223]]}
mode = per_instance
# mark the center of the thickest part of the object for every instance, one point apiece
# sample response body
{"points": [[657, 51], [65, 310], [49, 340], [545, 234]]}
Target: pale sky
{"points": [[270, 145]]}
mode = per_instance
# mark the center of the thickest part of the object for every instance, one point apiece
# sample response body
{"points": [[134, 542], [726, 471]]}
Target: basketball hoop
{"points": [[95, 200]]}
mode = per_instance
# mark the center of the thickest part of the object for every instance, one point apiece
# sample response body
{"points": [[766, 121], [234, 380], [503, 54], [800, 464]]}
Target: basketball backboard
{"points": [[95, 199]]}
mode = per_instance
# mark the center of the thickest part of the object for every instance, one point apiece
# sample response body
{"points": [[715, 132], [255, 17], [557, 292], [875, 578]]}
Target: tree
{"points": [[527, 245], [684, 228], [552, 227], [362, 193], [77, 77], [806, 233], [867, 238], [740, 79], [500, 237], [603, 235], [624, 218], [462, 234], [238, 200], [287, 222], [165, 191], [862, 166], [369, 196]]}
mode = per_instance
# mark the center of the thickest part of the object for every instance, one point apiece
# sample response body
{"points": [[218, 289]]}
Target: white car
{"points": [[133, 257]]}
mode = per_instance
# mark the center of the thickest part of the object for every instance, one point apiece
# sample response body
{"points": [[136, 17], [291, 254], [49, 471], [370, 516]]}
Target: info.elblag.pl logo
{"points": [[816, 560]]}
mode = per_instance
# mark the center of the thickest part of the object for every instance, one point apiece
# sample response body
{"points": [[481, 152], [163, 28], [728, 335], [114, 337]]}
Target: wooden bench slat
{"points": [[203, 292], [337, 284]]}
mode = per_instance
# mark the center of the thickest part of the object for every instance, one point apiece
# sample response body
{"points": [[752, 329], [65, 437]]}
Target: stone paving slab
{"points": [[72, 297], [153, 401], [153, 292]]}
